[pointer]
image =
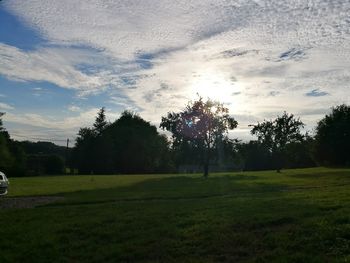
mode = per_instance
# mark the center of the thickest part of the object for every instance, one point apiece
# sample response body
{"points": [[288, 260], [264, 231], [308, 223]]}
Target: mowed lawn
{"points": [[300, 215]]}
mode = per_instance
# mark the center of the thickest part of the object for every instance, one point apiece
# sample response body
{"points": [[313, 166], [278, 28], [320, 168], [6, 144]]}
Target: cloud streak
{"points": [[45, 64], [316, 93], [5, 106]]}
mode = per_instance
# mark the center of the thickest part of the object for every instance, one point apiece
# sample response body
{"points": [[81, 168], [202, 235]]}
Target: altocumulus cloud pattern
{"points": [[153, 56]]}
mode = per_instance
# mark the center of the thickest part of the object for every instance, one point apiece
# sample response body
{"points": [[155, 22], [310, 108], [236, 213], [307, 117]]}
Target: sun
{"points": [[213, 85]]}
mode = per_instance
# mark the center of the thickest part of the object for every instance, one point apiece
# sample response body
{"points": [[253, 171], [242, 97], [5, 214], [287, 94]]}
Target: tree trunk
{"points": [[206, 169], [206, 164]]}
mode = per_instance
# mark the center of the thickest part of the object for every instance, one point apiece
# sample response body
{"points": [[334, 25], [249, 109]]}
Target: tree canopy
{"points": [[6, 159], [203, 125], [100, 123], [128, 145], [12, 157], [276, 134], [1, 125], [333, 137]]}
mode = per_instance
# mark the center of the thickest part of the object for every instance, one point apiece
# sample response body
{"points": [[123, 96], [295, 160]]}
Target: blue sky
{"points": [[60, 61]]}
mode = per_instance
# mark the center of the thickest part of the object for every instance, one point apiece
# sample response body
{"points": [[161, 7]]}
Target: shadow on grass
{"points": [[329, 174], [176, 188]]}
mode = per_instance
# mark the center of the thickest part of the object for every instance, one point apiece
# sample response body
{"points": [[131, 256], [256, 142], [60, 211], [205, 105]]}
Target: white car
{"points": [[4, 184]]}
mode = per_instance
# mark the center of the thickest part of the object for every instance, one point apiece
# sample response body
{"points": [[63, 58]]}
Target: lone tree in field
{"points": [[203, 124], [276, 134]]}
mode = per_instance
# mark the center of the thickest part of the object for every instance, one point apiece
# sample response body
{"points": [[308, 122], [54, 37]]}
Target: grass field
{"points": [[297, 216]]}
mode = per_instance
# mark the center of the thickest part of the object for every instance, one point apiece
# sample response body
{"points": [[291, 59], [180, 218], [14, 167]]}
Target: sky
{"points": [[60, 61]]}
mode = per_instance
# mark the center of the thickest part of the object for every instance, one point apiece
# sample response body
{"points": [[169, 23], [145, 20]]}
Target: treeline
{"points": [[131, 145], [24, 158], [281, 144]]}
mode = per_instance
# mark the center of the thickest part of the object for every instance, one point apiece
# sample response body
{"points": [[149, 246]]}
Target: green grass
{"points": [[299, 215]]}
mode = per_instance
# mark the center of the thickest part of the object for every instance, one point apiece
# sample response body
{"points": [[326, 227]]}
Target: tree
{"points": [[83, 152], [1, 125], [12, 156], [54, 164], [137, 147], [332, 140], [100, 121], [299, 154], [19, 164], [254, 156], [276, 134], [89, 150], [202, 126], [128, 145], [6, 158]]}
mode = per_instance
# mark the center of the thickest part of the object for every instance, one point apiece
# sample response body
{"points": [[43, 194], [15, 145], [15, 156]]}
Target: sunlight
{"points": [[214, 85]]}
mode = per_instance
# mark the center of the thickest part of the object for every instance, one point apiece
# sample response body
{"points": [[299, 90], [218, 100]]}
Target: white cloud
{"points": [[123, 27], [74, 108], [83, 119], [126, 27], [5, 106], [46, 64], [35, 126]]}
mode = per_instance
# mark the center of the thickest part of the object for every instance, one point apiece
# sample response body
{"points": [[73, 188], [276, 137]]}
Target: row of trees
{"points": [[199, 141], [203, 128], [29, 158], [280, 142]]}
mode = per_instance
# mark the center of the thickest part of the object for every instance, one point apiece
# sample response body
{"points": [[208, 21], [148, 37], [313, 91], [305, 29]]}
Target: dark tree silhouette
{"points": [[300, 154], [54, 164], [333, 137], [137, 145], [89, 148], [276, 134], [253, 156], [128, 145], [83, 152], [203, 124], [100, 122], [12, 156], [6, 158], [1, 125]]}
